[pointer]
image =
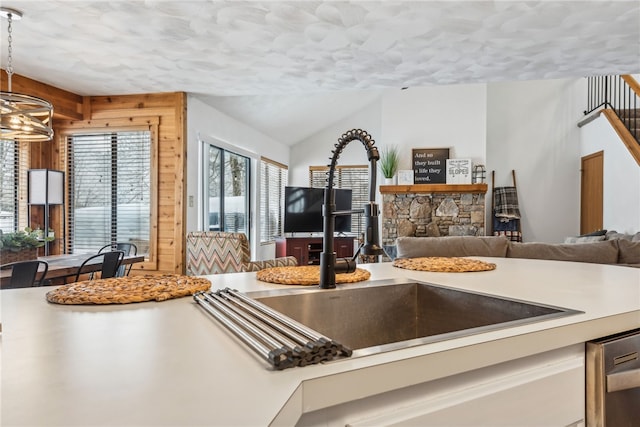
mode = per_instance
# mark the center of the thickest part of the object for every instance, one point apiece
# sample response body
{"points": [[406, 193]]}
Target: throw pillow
{"points": [[594, 233], [584, 239]]}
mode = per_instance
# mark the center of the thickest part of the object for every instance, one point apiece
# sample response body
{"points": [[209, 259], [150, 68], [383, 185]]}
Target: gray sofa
{"points": [[615, 250]]}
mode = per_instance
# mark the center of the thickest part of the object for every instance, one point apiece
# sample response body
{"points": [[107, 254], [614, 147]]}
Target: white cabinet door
{"points": [[541, 390]]}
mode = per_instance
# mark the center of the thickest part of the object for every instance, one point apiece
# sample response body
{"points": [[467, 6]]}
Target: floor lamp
{"points": [[45, 188]]}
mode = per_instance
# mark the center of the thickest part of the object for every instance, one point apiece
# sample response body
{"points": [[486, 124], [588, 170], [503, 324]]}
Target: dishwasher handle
{"points": [[623, 380]]}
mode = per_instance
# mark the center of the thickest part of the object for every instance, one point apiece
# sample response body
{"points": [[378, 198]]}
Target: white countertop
{"points": [[170, 363]]}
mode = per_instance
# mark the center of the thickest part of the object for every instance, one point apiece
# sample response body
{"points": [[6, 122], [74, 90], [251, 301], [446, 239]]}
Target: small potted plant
{"points": [[389, 160], [20, 246], [38, 233]]}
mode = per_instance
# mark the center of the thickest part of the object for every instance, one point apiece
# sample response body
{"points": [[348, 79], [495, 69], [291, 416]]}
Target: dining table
{"points": [[63, 266]]}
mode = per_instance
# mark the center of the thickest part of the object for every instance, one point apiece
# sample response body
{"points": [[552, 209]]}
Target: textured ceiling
{"points": [[272, 50]]}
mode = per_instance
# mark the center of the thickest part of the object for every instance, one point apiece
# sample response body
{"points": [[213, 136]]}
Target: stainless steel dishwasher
{"points": [[613, 380]]}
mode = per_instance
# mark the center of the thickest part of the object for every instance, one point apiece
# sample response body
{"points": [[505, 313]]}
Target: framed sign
{"points": [[429, 165], [405, 177], [459, 171]]}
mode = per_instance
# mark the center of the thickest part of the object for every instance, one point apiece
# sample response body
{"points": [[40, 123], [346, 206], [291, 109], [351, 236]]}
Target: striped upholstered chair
{"points": [[215, 252]]}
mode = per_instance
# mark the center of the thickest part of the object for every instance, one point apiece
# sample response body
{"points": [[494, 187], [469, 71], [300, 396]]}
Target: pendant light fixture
{"points": [[23, 117]]}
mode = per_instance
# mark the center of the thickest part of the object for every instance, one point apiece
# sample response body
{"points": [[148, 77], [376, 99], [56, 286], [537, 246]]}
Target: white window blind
{"points": [[355, 177], [109, 178], [9, 156], [13, 185], [273, 180]]}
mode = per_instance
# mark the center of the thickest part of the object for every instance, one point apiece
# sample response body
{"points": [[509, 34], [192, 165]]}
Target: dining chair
{"points": [[24, 273], [110, 263], [127, 248], [217, 252]]}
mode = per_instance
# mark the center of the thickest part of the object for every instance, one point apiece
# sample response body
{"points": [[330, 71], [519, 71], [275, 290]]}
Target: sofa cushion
{"points": [[450, 246], [628, 252], [605, 252], [614, 235]]}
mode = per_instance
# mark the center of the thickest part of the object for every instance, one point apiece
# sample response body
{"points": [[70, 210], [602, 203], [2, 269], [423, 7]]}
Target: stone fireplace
{"points": [[432, 210]]}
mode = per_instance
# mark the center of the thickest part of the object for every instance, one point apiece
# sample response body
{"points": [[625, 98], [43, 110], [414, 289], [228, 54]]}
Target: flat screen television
{"points": [[303, 209]]}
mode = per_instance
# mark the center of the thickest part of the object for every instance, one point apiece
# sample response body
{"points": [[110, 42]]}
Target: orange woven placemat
{"points": [[443, 264], [123, 290], [306, 275]]}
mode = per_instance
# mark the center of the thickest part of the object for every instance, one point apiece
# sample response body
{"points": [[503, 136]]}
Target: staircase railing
{"points": [[620, 94]]}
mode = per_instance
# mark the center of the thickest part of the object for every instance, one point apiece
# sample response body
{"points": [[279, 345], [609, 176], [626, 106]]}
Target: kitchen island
{"points": [[170, 363]]}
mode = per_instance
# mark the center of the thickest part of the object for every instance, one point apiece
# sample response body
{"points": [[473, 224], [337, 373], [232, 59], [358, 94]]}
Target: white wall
{"points": [[205, 123], [621, 192], [532, 129], [431, 117], [316, 150], [451, 117]]}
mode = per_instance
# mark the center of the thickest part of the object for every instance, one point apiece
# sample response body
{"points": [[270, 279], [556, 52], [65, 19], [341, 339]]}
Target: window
{"points": [[226, 190], [109, 187], [9, 186], [355, 177], [273, 180], [13, 185]]}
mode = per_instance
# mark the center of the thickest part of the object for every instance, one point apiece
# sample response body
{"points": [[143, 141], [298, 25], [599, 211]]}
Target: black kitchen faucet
{"points": [[329, 264]]}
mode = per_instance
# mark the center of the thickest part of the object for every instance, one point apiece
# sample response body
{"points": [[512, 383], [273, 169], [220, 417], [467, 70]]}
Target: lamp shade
{"points": [[46, 187]]}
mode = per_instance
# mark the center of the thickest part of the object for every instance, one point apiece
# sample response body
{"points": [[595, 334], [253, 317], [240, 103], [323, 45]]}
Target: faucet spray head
{"points": [[371, 232]]}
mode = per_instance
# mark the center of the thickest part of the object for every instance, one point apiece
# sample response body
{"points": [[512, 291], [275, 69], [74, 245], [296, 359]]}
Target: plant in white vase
{"points": [[389, 160]]}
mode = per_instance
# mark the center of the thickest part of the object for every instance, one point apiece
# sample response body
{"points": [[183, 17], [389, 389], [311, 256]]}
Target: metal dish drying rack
{"points": [[280, 340]]}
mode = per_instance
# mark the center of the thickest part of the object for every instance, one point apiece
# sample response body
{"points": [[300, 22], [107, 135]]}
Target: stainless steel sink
{"points": [[387, 315]]}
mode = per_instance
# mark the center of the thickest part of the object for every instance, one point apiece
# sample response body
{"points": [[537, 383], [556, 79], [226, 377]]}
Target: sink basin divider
{"points": [[280, 335], [280, 340], [312, 335], [210, 307], [262, 331], [314, 340]]}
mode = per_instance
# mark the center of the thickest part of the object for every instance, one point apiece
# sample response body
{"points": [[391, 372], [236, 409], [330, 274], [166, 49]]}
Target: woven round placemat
{"points": [[443, 264], [124, 290], [306, 275]]}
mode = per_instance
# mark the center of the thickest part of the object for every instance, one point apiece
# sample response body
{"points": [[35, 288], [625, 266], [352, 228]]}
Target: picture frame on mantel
{"points": [[405, 177], [429, 165], [458, 171]]}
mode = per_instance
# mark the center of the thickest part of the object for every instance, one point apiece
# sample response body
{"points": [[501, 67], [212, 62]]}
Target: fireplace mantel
{"points": [[433, 188]]}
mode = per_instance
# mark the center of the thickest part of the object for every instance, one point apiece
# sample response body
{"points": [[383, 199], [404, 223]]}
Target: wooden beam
{"points": [[66, 105], [433, 188], [180, 194], [625, 135]]}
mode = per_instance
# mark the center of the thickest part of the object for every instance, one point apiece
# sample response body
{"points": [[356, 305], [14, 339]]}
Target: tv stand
{"points": [[307, 249]]}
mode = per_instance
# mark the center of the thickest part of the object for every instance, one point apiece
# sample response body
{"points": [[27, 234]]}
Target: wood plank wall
{"points": [[171, 109], [66, 104]]}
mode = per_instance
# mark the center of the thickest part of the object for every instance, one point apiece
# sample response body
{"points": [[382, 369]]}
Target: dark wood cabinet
{"points": [[307, 250]]}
